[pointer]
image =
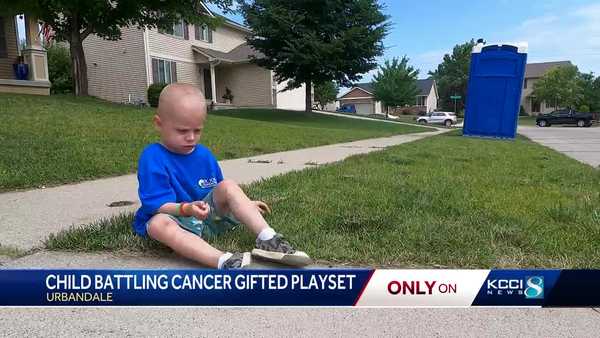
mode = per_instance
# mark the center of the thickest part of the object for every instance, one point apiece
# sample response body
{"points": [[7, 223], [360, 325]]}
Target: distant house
{"points": [[33, 55], [212, 60], [362, 97], [534, 71]]}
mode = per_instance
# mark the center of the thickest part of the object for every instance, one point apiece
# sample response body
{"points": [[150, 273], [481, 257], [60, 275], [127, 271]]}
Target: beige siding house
{"points": [[214, 61], [361, 96], [33, 55], [533, 72]]}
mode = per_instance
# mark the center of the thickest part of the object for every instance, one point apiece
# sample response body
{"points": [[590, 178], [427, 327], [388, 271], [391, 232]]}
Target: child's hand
{"points": [[262, 207], [198, 209]]}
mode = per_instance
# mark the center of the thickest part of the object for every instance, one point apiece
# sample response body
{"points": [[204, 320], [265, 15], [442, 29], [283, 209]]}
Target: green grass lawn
{"points": [[527, 120], [62, 139], [445, 201]]}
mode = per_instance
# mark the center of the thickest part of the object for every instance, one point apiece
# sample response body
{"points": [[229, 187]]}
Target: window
{"points": [[525, 84], [421, 100], [178, 29], [3, 49], [203, 33], [164, 71]]}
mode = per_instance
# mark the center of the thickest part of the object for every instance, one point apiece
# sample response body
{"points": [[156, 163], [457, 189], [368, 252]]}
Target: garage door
{"points": [[364, 108]]}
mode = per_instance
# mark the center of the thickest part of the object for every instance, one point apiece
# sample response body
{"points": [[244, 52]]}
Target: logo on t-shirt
{"points": [[207, 182]]}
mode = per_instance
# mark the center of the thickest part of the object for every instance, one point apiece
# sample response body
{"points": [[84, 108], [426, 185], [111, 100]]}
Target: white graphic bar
{"points": [[427, 288]]}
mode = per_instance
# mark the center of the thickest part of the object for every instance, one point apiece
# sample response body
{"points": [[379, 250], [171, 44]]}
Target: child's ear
{"points": [[157, 121]]}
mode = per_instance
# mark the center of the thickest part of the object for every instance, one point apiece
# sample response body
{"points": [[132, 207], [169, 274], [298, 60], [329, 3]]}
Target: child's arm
{"points": [[198, 209]]}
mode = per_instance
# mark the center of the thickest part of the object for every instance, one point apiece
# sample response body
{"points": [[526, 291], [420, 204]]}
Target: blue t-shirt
{"points": [[164, 176]]}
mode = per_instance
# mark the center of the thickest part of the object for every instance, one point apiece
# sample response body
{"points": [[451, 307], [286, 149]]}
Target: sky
{"points": [[555, 30]]}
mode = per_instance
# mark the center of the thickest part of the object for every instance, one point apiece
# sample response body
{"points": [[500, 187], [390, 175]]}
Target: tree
{"points": [[325, 93], [590, 91], [395, 84], [560, 86], [452, 75], [74, 21], [314, 41]]}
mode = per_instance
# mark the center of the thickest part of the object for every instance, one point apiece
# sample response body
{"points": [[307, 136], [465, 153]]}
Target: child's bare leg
{"points": [[229, 198], [165, 230]]}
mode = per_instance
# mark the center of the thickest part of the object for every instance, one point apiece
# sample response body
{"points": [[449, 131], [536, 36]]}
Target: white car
{"points": [[438, 117]]}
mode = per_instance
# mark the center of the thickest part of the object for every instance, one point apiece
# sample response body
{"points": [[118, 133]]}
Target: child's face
{"points": [[180, 121]]}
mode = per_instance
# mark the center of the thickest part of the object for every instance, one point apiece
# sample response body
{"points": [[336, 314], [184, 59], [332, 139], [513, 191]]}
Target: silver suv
{"points": [[439, 117]]}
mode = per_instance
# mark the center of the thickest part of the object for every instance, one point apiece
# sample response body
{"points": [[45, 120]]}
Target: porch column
{"points": [[34, 54], [213, 83]]}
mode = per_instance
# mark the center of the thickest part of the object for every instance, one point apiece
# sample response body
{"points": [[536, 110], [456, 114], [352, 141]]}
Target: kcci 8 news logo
{"points": [[531, 287]]}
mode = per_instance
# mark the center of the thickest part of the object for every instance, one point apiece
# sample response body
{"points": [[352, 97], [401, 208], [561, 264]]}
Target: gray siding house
{"points": [[33, 54], [533, 72], [213, 60], [361, 96]]}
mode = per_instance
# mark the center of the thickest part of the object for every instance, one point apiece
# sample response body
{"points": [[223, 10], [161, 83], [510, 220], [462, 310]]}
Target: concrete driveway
{"points": [[582, 144]]}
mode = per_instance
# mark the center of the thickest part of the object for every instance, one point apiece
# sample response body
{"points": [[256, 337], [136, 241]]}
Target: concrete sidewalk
{"points": [[26, 218], [582, 144], [296, 322]]}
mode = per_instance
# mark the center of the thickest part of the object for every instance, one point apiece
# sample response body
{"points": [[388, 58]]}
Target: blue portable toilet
{"points": [[494, 90]]}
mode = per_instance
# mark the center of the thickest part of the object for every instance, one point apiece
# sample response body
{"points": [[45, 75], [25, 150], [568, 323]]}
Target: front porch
{"points": [[31, 53], [232, 73], [534, 107]]}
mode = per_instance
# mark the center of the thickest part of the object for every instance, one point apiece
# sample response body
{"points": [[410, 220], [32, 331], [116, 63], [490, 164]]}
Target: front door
{"points": [[207, 84]]}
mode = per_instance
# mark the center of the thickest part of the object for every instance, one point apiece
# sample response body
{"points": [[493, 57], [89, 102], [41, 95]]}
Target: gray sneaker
{"points": [[237, 261], [280, 251], [275, 244]]}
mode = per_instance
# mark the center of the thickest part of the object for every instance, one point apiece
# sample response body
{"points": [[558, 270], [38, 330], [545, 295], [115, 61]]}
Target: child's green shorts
{"points": [[213, 225]]}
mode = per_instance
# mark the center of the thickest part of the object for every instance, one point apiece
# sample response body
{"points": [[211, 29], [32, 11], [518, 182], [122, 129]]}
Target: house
{"points": [[33, 54], [534, 71], [212, 60], [362, 97]]}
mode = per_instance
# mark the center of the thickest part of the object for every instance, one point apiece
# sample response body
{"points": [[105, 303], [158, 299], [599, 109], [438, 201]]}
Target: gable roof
{"points": [[424, 86], [233, 24], [539, 69], [366, 86], [241, 53], [227, 21]]}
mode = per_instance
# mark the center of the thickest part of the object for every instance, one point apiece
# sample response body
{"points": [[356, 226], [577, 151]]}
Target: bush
{"points": [[154, 92], [522, 111], [584, 108], [59, 69]]}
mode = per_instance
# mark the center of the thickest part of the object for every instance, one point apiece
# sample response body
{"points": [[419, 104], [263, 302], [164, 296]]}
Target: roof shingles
{"points": [[535, 70]]}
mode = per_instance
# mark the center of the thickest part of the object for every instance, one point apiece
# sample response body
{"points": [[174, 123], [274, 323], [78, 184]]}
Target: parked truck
{"points": [[566, 116]]}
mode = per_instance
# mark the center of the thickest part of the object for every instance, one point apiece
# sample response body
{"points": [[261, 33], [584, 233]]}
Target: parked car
{"points": [[438, 117], [565, 116], [347, 108]]}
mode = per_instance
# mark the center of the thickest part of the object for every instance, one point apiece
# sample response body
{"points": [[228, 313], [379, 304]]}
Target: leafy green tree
{"points": [[395, 84], [560, 87], [314, 41], [59, 69], [591, 92], [325, 93], [74, 21], [452, 75]]}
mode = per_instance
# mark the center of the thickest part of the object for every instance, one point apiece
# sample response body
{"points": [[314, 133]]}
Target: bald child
{"points": [[185, 198]]}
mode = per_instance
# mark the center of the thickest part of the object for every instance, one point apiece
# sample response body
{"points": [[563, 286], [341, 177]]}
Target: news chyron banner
{"points": [[318, 287]]}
